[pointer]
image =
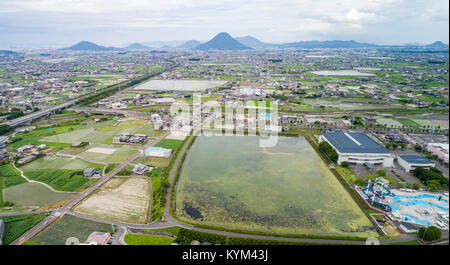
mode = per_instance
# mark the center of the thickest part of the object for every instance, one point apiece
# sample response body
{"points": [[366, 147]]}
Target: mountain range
{"points": [[223, 41]]}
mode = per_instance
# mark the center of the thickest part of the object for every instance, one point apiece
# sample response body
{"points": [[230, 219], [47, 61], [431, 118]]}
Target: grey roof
{"points": [[416, 159], [354, 142]]}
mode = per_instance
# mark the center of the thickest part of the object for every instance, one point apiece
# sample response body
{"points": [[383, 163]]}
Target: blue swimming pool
{"points": [[408, 217], [443, 206], [422, 196]]}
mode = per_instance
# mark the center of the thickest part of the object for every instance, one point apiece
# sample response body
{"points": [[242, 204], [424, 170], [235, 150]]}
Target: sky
{"points": [[59, 23]]}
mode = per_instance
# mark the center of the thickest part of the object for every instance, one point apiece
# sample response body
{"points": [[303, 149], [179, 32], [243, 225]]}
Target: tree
{"points": [[381, 172], [345, 164], [433, 185], [329, 151], [429, 233], [416, 186]]}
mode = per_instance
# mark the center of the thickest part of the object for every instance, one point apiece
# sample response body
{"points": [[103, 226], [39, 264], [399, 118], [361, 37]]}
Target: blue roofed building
{"points": [[410, 162], [358, 148]]}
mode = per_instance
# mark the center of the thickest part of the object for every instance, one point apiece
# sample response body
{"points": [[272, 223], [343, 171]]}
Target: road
{"points": [[78, 198]]}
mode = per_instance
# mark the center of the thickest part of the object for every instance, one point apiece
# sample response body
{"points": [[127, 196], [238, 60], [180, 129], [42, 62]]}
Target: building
{"points": [[25, 160], [439, 149], [89, 172], [358, 148], [141, 169], [410, 162], [2, 231], [25, 148], [158, 152], [163, 100], [98, 238]]}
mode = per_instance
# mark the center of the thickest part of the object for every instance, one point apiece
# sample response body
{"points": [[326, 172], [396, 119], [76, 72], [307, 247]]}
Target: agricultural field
{"points": [[34, 194], [15, 226], [153, 161], [100, 136], [69, 226], [286, 189], [61, 173], [120, 199], [389, 123], [132, 239], [169, 144]]}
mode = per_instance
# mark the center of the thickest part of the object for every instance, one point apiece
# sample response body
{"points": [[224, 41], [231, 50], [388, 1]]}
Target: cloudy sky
{"points": [[58, 23]]}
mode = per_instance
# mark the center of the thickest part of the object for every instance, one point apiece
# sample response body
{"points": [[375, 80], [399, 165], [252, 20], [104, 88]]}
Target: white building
{"points": [[358, 148], [439, 149], [410, 162]]}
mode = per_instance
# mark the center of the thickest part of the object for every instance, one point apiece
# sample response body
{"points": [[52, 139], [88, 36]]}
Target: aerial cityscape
{"points": [[224, 139]]}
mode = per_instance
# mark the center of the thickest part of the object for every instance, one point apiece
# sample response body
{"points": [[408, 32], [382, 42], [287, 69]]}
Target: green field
{"points": [[169, 144], [61, 173], [409, 123], [15, 226], [34, 194], [8, 171], [131, 239], [69, 226], [53, 162], [286, 189]]}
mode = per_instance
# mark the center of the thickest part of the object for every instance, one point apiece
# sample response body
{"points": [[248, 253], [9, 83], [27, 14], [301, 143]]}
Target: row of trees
{"points": [[327, 149]]}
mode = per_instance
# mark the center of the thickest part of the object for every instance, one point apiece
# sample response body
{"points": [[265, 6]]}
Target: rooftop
{"points": [[415, 159], [354, 142]]}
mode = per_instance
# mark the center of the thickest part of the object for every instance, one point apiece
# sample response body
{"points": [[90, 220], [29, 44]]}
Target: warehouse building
{"points": [[358, 148], [410, 162]]}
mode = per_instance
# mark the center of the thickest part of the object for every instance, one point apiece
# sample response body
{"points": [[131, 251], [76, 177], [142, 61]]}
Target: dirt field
{"points": [[120, 199]]}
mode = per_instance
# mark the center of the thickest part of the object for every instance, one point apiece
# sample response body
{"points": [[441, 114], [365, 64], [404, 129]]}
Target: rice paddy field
{"points": [[390, 123], [229, 182], [34, 194], [120, 199], [100, 136], [69, 226]]}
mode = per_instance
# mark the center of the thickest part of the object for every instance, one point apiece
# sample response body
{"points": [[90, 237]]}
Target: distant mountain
{"points": [[136, 46], [254, 42], [160, 44], [222, 41], [327, 44], [189, 44], [437, 44], [7, 52], [88, 46]]}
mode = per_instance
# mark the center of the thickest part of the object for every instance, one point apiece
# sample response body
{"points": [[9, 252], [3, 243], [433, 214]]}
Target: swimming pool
{"points": [[408, 217], [420, 202]]}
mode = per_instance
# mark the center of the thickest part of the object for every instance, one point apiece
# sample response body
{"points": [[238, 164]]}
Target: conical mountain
{"points": [[222, 41]]}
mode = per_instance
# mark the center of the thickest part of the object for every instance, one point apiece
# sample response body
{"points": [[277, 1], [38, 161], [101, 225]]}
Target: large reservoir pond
{"points": [[230, 182], [179, 85]]}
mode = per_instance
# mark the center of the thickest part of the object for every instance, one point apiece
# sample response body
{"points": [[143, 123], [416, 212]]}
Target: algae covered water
{"points": [[230, 182]]}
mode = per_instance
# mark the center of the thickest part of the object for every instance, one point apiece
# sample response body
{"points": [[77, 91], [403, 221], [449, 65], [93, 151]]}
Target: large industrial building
{"points": [[358, 148], [410, 162]]}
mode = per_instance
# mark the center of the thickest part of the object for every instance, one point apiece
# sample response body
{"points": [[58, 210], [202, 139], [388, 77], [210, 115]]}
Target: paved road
{"points": [[78, 198]]}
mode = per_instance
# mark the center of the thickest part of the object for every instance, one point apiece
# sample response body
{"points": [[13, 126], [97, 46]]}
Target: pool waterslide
{"points": [[385, 207]]}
